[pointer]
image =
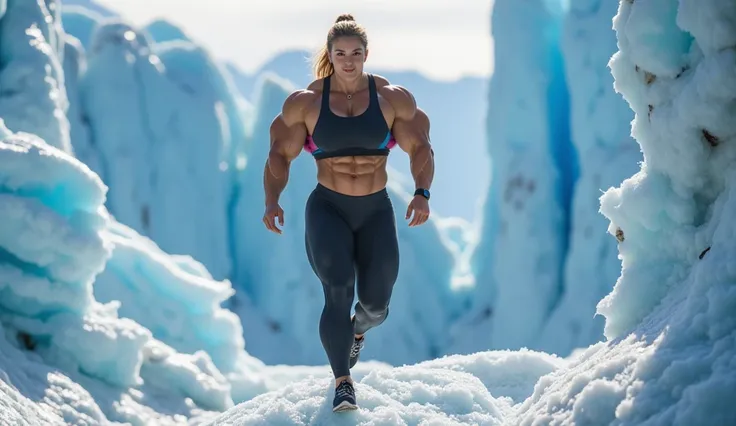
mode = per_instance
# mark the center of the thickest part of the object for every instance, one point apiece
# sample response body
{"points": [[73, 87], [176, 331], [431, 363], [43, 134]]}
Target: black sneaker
{"points": [[344, 397], [355, 351]]}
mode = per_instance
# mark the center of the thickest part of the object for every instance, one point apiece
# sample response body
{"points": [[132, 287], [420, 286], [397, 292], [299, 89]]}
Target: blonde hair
{"points": [[344, 26]]}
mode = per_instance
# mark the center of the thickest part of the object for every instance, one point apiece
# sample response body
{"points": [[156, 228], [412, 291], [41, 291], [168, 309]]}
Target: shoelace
{"points": [[344, 389], [355, 349]]}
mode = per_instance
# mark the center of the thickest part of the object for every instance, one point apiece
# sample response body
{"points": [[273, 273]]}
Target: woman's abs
{"points": [[360, 175]]}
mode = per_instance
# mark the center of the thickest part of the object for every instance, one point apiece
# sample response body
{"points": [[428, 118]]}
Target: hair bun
{"points": [[345, 17]]}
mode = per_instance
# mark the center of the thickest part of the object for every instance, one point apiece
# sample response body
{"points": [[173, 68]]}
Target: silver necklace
{"points": [[349, 96]]}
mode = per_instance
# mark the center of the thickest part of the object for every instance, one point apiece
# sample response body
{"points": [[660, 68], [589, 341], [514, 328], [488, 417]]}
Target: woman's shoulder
{"points": [[398, 96], [301, 99]]}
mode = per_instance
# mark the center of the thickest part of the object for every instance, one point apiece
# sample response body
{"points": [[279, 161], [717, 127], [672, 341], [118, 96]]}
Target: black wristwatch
{"points": [[423, 192]]}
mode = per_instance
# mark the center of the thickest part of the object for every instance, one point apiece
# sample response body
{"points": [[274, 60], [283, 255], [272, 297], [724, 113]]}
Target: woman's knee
{"points": [[376, 308], [339, 286]]}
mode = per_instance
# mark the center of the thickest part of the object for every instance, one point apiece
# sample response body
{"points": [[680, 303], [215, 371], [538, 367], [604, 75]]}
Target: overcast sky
{"points": [[441, 38]]}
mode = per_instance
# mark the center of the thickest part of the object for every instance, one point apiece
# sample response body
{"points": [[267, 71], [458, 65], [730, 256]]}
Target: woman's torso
{"points": [[362, 123]]}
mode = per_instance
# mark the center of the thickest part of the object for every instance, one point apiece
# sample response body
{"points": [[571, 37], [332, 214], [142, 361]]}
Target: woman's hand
{"points": [[420, 207], [269, 218]]}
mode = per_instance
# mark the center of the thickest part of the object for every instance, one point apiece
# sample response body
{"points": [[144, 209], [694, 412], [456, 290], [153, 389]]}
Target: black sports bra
{"points": [[364, 134]]}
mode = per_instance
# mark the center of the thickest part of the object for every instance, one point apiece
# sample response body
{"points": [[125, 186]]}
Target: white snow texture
{"points": [[130, 195]]}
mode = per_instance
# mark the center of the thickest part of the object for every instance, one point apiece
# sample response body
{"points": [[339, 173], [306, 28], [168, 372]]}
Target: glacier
{"points": [[75, 65], [670, 322], [167, 162], [33, 96], [519, 255], [58, 248], [80, 22], [575, 260], [100, 324], [162, 31], [607, 154]]}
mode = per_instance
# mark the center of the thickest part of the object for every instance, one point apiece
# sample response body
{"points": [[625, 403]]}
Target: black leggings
{"points": [[348, 237]]}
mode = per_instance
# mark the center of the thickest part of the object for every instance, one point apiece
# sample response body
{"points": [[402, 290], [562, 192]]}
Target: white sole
{"points": [[345, 406]]}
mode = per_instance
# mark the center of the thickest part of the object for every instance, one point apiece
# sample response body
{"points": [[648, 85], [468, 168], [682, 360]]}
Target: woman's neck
{"points": [[350, 87]]}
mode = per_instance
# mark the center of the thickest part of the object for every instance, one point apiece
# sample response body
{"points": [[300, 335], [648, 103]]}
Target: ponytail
{"points": [[344, 26], [323, 68]]}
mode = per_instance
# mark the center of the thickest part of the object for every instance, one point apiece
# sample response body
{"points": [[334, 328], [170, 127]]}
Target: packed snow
{"points": [[405, 395], [102, 323], [471, 389]]}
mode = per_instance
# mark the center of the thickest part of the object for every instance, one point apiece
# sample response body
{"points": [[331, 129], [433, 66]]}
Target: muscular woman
{"points": [[349, 121]]}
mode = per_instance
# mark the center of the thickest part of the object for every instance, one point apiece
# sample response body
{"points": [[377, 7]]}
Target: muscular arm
{"points": [[411, 131], [288, 133]]}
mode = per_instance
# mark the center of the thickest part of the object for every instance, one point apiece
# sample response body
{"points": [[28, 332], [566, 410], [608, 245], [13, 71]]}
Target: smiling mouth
{"points": [[348, 69]]}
